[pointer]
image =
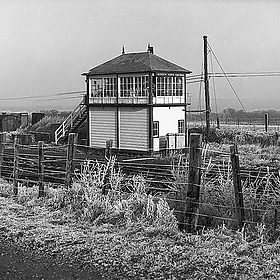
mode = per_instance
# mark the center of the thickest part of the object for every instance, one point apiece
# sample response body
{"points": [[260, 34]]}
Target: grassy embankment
{"points": [[130, 235]]}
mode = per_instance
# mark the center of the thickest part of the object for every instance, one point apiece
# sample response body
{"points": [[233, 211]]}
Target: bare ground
{"points": [[19, 263]]}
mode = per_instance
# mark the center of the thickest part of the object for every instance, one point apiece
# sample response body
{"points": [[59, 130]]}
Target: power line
{"points": [[194, 82], [200, 87], [192, 79], [71, 92], [236, 75], [229, 82], [213, 82], [43, 96], [245, 75], [63, 98]]}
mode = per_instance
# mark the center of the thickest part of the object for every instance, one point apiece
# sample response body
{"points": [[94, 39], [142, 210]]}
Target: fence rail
{"points": [[185, 180]]}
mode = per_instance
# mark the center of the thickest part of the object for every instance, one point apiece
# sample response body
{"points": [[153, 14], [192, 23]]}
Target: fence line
{"points": [[58, 164]]}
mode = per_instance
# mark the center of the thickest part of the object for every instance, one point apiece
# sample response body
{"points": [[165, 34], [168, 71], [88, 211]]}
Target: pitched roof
{"points": [[135, 63]]}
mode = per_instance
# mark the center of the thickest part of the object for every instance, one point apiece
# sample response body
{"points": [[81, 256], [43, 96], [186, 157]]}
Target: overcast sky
{"points": [[47, 44]]}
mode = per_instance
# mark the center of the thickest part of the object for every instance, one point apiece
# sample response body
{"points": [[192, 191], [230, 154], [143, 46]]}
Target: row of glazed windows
{"points": [[169, 86], [181, 127], [104, 87], [137, 86], [134, 86]]}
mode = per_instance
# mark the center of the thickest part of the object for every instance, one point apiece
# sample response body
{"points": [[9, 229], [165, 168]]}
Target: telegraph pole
{"points": [[206, 88]]}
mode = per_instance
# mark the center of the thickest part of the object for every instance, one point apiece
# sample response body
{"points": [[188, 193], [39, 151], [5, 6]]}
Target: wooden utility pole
{"points": [[206, 90], [194, 178]]}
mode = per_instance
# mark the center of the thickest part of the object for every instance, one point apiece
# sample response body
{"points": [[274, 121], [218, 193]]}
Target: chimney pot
{"points": [[150, 49]]}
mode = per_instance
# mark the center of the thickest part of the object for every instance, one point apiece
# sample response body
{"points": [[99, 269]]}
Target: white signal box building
{"points": [[138, 101]]}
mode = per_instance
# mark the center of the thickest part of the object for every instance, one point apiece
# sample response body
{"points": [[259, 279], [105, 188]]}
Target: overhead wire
{"points": [[192, 79], [214, 86], [235, 93], [200, 94], [236, 74], [42, 96]]}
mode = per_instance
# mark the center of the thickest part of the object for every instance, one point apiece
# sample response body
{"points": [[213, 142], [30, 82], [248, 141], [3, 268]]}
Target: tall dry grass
{"points": [[217, 199], [261, 197], [101, 194]]}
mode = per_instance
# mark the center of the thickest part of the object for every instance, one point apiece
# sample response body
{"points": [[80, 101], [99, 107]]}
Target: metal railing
{"points": [[171, 100], [70, 121], [140, 100]]}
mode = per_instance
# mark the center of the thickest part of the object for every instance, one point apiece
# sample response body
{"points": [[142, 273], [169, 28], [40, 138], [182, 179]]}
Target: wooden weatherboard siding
{"points": [[103, 126], [134, 128]]}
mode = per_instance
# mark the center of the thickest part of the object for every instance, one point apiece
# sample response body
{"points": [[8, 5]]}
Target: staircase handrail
{"points": [[69, 121]]}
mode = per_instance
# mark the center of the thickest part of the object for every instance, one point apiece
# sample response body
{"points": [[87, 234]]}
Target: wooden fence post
{"points": [[15, 169], [41, 168], [218, 123], [266, 122], [71, 149], [2, 148], [239, 203], [194, 177], [109, 144], [275, 219]]}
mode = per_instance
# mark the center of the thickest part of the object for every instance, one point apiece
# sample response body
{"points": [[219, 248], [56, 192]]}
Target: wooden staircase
{"points": [[72, 123]]}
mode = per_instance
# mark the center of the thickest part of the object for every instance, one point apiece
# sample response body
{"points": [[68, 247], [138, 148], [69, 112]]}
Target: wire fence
{"points": [[205, 187]]}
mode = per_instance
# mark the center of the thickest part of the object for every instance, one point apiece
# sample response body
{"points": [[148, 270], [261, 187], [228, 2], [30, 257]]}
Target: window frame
{"points": [[136, 86], [156, 129], [169, 85], [181, 126], [104, 87]]}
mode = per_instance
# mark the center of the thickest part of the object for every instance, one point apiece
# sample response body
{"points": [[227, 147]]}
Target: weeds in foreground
{"points": [[101, 194], [220, 253], [261, 200]]}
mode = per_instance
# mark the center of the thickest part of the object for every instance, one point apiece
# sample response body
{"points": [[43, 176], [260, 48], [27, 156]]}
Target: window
{"points": [[134, 86], [179, 86], [156, 129], [161, 86], [103, 87], [169, 86], [181, 126], [110, 87], [96, 87], [126, 86]]}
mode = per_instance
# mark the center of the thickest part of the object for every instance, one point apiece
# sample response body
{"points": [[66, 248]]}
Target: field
{"points": [[129, 232]]}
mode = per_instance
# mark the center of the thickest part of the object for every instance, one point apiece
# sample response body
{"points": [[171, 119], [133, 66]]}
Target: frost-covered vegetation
{"points": [[110, 223], [134, 253]]}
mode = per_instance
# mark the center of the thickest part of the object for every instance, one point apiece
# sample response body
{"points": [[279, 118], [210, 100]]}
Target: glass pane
{"points": [[96, 87], [179, 86], [161, 81], [156, 129], [145, 86], [181, 126], [169, 85]]}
